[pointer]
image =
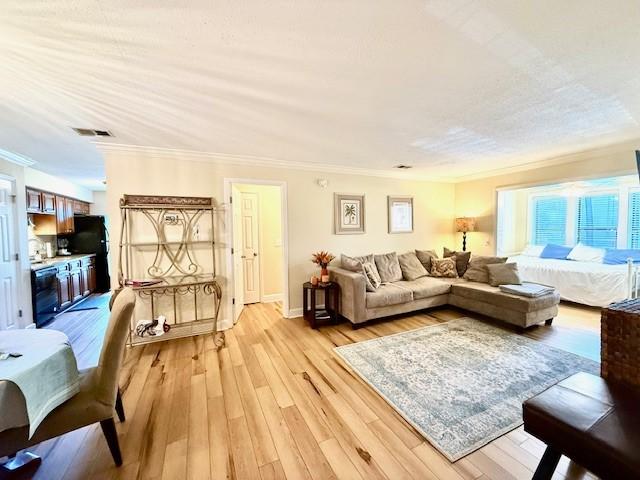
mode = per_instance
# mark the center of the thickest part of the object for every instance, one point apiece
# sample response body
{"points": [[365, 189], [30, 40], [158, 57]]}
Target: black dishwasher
{"points": [[44, 288]]}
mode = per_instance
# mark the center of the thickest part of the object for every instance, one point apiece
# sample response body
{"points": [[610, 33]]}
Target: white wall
{"points": [[99, 205], [310, 207], [50, 183]]}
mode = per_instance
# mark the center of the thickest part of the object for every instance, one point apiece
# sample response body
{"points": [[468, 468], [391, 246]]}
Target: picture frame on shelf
{"points": [[400, 212], [349, 214]]}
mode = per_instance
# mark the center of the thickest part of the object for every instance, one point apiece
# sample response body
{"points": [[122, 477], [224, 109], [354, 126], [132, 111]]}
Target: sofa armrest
{"points": [[352, 294]]}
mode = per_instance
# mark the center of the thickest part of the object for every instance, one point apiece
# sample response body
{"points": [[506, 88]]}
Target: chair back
{"points": [[115, 340]]}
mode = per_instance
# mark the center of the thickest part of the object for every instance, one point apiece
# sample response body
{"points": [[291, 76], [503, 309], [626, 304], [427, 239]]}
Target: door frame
{"points": [[16, 246], [228, 184]]}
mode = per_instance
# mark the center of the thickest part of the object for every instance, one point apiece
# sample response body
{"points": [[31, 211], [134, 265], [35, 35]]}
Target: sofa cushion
{"points": [[425, 287], [477, 270], [388, 294], [388, 267], [354, 264], [411, 267], [444, 267], [425, 257], [503, 274], [488, 294], [371, 276], [462, 259]]}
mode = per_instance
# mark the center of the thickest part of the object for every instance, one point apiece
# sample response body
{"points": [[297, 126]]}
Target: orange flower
{"points": [[322, 258]]}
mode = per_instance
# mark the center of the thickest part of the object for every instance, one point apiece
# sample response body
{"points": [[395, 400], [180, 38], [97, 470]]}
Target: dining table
{"points": [[38, 372]]}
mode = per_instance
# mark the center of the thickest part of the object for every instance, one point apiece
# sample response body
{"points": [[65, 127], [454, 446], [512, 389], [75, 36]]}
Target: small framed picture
{"points": [[400, 214], [348, 214]]}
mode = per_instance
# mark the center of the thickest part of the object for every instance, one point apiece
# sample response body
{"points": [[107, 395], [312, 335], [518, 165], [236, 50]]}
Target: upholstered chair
{"points": [[98, 396]]}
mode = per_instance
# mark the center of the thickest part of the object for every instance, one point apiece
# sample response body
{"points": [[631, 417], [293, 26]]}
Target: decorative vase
{"points": [[324, 275]]}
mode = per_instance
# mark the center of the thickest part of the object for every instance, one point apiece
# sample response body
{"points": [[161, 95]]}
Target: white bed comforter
{"points": [[588, 283]]}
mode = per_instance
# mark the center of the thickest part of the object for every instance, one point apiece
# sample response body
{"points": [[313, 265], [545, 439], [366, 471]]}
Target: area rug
{"points": [[461, 384]]}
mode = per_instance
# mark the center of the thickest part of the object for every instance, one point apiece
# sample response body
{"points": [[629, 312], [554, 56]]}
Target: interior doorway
{"points": [[258, 243], [9, 273]]}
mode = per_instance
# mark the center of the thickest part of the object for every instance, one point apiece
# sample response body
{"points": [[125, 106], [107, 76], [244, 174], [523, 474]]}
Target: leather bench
{"points": [[593, 421]]}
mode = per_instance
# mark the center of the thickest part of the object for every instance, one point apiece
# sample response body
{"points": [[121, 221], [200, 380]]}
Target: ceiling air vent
{"points": [[402, 167], [89, 132]]}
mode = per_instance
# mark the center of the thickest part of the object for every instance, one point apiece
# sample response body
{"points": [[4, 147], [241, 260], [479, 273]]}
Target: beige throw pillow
{"points": [[371, 276], [503, 274], [354, 264], [388, 267], [411, 266], [444, 267], [477, 270], [462, 259], [425, 257]]}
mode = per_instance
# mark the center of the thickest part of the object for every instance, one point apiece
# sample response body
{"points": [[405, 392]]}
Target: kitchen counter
{"points": [[59, 260]]}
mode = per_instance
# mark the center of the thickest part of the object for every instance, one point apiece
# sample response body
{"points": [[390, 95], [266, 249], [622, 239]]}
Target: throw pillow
{"points": [[371, 276], [477, 269], [388, 267], [444, 267], [354, 264], [425, 257], [616, 256], [462, 259], [585, 253], [503, 274], [532, 250], [411, 267], [558, 252]]}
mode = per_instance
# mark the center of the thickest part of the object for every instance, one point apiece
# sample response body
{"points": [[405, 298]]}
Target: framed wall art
{"points": [[348, 214], [400, 214]]}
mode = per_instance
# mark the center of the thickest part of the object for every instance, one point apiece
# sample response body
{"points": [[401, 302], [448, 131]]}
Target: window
{"points": [[598, 220], [549, 220], [634, 219]]}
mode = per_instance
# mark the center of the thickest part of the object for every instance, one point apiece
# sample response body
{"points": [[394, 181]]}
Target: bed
{"points": [[589, 283]]}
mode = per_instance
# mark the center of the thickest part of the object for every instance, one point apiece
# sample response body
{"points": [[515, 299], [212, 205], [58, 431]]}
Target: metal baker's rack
{"points": [[160, 258]]}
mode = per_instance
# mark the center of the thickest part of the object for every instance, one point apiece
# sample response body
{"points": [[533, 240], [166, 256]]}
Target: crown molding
{"points": [[16, 158], [258, 161]]}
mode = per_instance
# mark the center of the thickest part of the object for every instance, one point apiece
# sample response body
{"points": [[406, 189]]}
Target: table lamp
{"points": [[464, 225]]}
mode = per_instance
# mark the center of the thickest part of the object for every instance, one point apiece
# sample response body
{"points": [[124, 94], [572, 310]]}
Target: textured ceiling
{"points": [[453, 87]]}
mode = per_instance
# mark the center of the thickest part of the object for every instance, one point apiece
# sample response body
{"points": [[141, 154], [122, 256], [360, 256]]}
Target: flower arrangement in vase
{"points": [[323, 259]]}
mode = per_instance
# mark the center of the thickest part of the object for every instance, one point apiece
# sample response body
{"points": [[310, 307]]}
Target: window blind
{"points": [[634, 220], [598, 220], [549, 220]]}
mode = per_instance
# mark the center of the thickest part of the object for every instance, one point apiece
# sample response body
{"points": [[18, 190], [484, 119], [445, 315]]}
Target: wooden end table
{"points": [[329, 313]]}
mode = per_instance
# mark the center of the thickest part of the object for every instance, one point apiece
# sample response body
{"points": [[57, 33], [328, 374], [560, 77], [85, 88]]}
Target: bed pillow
{"points": [[425, 257], [388, 267], [477, 270], [462, 259], [558, 252], [585, 253], [372, 278], [444, 267], [411, 267], [614, 256], [503, 274], [532, 250]]}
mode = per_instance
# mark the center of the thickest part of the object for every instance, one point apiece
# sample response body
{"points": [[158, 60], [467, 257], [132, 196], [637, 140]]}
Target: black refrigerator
{"points": [[91, 236]]}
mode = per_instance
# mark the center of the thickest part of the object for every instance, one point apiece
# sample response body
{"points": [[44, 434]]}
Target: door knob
{"points": [[255, 254]]}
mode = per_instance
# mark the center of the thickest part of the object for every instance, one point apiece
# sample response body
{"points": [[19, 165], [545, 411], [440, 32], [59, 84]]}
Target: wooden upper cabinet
{"points": [[80, 207], [48, 203], [34, 201], [68, 211], [61, 216]]}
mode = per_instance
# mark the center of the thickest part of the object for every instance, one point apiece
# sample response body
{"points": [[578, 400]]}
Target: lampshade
{"points": [[465, 224]]}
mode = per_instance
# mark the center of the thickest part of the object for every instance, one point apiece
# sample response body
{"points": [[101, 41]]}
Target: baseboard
{"points": [[294, 313], [275, 297]]}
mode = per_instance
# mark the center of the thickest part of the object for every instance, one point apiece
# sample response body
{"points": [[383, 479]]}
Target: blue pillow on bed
{"points": [[616, 256], [559, 252]]}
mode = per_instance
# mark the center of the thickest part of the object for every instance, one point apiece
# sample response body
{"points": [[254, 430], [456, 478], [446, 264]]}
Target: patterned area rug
{"points": [[461, 384]]}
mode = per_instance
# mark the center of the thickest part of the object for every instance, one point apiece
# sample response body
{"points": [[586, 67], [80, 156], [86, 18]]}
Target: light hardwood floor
{"points": [[274, 403]]}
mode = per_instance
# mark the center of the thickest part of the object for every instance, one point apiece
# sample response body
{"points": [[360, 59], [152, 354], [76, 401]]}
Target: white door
{"points": [[238, 268], [250, 263], [8, 262]]}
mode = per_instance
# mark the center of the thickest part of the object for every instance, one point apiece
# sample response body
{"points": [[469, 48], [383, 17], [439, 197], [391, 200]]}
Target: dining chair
{"points": [[99, 395]]}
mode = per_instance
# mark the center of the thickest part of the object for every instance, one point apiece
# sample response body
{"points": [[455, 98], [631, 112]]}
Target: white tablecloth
{"points": [[46, 375]]}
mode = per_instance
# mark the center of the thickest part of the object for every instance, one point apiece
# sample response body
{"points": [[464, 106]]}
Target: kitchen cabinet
{"points": [[34, 201], [48, 202], [64, 215], [80, 207], [68, 209], [64, 289]]}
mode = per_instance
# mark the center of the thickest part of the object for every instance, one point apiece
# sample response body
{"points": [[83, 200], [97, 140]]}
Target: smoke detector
{"points": [[402, 167], [90, 132]]}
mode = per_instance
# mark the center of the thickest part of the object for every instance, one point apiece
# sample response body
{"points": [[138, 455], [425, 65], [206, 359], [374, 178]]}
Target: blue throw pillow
{"points": [[559, 252], [614, 256]]}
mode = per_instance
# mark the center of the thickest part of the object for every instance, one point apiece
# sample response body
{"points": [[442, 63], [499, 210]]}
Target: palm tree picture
{"points": [[350, 214]]}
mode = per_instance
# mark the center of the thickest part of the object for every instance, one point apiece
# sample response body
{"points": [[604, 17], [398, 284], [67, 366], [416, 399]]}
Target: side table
{"points": [[311, 312]]}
